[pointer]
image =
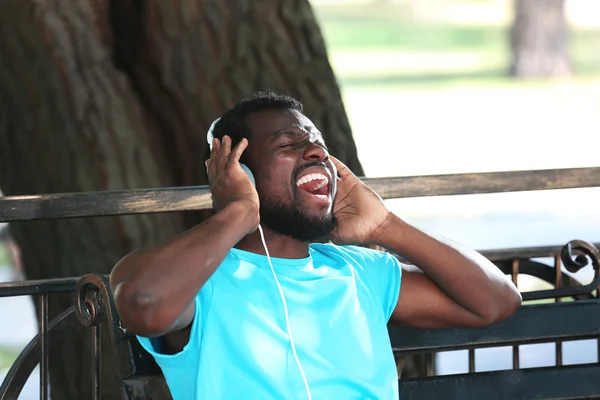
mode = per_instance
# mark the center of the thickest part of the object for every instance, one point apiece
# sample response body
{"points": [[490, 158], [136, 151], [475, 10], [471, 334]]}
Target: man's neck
{"points": [[280, 246]]}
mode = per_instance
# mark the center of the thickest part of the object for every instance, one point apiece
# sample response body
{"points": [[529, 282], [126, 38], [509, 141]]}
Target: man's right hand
{"points": [[228, 182], [155, 287]]}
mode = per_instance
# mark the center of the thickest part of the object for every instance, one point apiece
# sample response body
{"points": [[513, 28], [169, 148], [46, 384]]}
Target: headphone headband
{"points": [[209, 135]]}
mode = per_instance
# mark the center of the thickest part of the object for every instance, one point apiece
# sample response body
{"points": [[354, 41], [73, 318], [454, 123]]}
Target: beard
{"points": [[290, 220]]}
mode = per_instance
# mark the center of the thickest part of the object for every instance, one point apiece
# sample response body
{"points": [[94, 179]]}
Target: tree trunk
{"points": [[119, 94], [539, 39]]}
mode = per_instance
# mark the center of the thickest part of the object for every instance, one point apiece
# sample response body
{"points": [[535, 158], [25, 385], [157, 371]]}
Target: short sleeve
{"points": [[188, 356], [381, 272]]}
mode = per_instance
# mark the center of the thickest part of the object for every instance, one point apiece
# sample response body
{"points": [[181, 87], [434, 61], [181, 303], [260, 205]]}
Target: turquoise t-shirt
{"points": [[339, 301]]}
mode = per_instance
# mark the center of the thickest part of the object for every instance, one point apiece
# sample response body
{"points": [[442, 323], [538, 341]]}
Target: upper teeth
{"points": [[312, 177]]}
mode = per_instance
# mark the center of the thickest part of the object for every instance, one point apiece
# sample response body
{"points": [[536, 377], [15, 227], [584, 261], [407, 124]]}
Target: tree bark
{"points": [[119, 94], [539, 39]]}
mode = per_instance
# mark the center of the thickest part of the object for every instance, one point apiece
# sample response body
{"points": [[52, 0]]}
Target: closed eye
{"points": [[301, 143]]}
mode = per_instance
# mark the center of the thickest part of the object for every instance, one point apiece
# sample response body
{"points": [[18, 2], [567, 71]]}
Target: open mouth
{"points": [[316, 184]]}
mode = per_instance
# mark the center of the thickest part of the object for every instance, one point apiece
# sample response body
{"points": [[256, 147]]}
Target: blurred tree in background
{"points": [[539, 39], [119, 94]]}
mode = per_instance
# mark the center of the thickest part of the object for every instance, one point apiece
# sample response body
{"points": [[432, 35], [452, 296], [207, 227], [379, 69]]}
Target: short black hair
{"points": [[233, 121]]}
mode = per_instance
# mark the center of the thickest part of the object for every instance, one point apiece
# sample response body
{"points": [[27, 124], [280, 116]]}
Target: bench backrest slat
{"points": [[530, 324]]}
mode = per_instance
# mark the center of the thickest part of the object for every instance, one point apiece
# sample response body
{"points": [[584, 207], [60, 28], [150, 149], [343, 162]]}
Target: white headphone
{"points": [[209, 138]]}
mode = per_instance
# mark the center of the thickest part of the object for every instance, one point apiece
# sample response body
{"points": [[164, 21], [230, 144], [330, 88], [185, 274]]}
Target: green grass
{"points": [[7, 357], [355, 34], [405, 34], [4, 257]]}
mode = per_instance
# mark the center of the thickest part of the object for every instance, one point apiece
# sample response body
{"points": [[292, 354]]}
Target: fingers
{"points": [[222, 156], [236, 153], [212, 162], [224, 153], [343, 171]]}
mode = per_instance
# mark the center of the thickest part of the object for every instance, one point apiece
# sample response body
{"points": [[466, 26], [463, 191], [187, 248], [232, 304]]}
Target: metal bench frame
{"points": [[141, 378]]}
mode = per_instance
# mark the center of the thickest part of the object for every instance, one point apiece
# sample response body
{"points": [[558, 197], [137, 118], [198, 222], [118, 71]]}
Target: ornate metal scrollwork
{"points": [[90, 299], [578, 254], [94, 303], [575, 255]]}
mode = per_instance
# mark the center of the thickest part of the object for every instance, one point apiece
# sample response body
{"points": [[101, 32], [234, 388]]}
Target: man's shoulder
{"points": [[357, 253]]}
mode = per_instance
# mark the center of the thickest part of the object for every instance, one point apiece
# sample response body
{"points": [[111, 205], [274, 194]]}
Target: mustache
{"points": [[298, 170]]}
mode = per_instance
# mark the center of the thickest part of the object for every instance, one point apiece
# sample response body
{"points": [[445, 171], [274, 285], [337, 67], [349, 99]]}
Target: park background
{"points": [[427, 90]]}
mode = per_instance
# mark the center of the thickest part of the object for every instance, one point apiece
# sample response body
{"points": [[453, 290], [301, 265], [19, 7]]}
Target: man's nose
{"points": [[314, 152]]}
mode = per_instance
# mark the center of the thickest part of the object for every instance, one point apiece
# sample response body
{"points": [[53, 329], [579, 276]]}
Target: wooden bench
{"points": [[538, 323], [531, 324], [141, 378]]}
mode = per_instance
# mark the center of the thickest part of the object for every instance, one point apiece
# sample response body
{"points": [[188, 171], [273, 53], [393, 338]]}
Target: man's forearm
{"points": [[154, 286], [466, 276]]}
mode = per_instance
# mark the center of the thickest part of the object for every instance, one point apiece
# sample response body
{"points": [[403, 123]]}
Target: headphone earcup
{"points": [[250, 174]]}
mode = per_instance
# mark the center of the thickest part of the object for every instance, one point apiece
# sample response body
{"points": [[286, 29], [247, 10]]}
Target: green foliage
{"points": [[354, 33]]}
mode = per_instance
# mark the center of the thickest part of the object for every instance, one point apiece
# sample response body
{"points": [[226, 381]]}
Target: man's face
{"points": [[295, 180]]}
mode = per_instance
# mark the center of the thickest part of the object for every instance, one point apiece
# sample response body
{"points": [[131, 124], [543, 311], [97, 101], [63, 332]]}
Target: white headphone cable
{"points": [[287, 318]]}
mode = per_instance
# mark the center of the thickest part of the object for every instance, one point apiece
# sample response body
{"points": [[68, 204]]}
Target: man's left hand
{"points": [[360, 212]]}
